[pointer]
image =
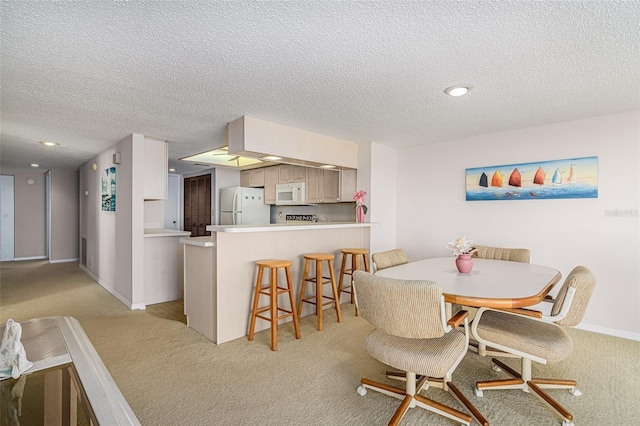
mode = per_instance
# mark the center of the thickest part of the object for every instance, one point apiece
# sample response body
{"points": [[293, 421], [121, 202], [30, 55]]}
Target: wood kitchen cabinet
{"points": [[323, 186], [288, 173], [270, 180], [252, 178]]}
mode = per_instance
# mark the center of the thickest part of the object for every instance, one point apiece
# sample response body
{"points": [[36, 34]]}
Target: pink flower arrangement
{"points": [[358, 197]]}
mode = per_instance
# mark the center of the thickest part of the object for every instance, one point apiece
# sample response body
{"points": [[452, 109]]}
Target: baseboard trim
{"points": [[75, 259], [30, 258], [609, 331], [114, 293]]}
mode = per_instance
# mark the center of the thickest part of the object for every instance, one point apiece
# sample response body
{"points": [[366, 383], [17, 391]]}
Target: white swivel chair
{"points": [[412, 334], [387, 259], [532, 336]]}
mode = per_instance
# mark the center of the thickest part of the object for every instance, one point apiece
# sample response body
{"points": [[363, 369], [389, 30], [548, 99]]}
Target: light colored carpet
{"points": [[170, 375]]}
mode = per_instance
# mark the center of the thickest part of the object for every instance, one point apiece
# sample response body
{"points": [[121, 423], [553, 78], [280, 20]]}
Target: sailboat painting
{"points": [[568, 178]]}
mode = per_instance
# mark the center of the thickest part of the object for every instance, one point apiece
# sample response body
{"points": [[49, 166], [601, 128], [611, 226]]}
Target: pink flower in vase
{"points": [[361, 209], [358, 197]]}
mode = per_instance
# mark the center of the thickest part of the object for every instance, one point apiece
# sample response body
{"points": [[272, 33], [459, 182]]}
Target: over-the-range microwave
{"points": [[290, 194]]}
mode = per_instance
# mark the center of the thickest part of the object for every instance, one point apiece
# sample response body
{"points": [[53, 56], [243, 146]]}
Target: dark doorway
{"points": [[197, 205]]}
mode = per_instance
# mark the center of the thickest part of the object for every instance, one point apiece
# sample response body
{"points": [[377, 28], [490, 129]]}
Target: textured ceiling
{"points": [[87, 74]]}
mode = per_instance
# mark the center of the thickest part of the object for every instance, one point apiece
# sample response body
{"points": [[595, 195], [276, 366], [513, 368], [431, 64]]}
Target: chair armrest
{"points": [[457, 319], [523, 312]]}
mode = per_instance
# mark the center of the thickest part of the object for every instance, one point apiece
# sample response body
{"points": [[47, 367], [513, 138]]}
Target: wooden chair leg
{"points": [[273, 284], [296, 323], [303, 285], [319, 294], [256, 299], [335, 291]]}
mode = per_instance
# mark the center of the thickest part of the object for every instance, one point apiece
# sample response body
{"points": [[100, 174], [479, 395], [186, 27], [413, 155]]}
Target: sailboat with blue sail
{"points": [[557, 177]]}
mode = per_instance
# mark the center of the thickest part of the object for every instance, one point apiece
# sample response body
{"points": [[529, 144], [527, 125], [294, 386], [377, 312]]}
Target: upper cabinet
{"points": [[156, 164], [323, 186], [252, 178], [288, 173], [347, 185], [270, 181]]}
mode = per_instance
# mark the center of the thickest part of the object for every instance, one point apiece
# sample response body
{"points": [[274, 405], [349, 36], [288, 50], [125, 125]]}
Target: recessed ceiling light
{"points": [[47, 143], [172, 170], [34, 165], [457, 90], [271, 158]]}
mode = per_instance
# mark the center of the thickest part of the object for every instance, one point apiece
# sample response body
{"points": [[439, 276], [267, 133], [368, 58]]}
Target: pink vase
{"points": [[360, 214], [464, 263]]}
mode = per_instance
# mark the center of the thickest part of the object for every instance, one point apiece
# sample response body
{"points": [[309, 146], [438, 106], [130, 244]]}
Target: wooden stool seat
{"points": [[318, 298], [355, 254], [272, 290]]}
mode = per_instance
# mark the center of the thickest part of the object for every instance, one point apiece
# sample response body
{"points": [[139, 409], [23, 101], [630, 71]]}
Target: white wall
{"points": [[115, 240], [561, 233], [64, 216], [382, 202]]}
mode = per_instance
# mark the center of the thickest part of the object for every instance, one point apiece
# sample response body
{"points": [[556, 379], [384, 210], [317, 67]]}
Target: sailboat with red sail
{"points": [[496, 179], [538, 178], [515, 179]]}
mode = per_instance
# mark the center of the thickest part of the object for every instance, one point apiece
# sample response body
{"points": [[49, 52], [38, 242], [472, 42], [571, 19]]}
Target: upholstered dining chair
{"points": [[412, 334], [387, 259], [494, 253], [534, 336], [499, 253]]}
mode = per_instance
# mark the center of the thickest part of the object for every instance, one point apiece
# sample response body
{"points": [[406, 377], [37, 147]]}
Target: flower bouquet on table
{"points": [[463, 248], [361, 208]]}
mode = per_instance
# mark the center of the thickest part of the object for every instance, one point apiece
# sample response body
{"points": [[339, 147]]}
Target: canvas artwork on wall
{"points": [[109, 189], [569, 178]]}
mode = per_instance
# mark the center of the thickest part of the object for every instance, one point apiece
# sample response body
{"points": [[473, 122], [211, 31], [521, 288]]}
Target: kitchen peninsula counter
{"points": [[220, 270]]}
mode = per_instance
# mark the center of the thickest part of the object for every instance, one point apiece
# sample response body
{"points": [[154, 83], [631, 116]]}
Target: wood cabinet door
{"points": [[313, 189], [330, 186], [270, 180], [197, 205], [298, 173], [288, 173], [245, 178]]}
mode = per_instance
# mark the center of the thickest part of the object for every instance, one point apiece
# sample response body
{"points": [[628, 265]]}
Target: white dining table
{"points": [[491, 283]]}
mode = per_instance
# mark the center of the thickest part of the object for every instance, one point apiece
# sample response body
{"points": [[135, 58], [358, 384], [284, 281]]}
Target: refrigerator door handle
{"points": [[235, 199]]}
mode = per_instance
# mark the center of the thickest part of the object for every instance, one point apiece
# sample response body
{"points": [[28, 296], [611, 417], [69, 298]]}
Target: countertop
{"points": [[296, 226], [161, 232], [198, 241]]}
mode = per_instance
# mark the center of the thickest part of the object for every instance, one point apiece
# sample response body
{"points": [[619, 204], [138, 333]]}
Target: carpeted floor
{"points": [[171, 375]]}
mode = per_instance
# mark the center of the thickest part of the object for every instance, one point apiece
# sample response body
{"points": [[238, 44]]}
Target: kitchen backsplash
{"points": [[343, 212]]}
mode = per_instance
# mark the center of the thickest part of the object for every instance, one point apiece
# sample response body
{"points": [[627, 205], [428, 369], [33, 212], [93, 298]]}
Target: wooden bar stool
{"points": [[318, 298], [272, 289], [355, 254]]}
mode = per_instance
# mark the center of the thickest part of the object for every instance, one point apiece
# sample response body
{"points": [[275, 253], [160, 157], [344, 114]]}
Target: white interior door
{"points": [[7, 218], [172, 203]]}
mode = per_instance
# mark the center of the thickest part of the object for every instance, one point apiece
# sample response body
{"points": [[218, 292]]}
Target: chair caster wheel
{"points": [[575, 392], [478, 392], [362, 391], [496, 368]]}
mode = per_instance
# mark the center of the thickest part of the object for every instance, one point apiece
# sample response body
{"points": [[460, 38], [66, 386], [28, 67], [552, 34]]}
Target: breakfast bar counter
{"points": [[220, 270]]}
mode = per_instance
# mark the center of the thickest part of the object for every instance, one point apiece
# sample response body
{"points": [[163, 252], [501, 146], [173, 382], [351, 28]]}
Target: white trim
{"points": [[75, 259], [114, 293], [609, 331], [31, 258]]}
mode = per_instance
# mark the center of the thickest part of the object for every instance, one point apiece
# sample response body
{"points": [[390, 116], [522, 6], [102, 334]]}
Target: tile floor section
{"points": [[173, 310]]}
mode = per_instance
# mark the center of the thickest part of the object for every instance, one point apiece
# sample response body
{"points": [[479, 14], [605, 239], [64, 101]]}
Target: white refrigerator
{"points": [[243, 206]]}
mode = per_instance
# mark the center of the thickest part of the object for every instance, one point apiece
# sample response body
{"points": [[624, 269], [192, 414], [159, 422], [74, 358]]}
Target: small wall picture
{"points": [[570, 178], [109, 190]]}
